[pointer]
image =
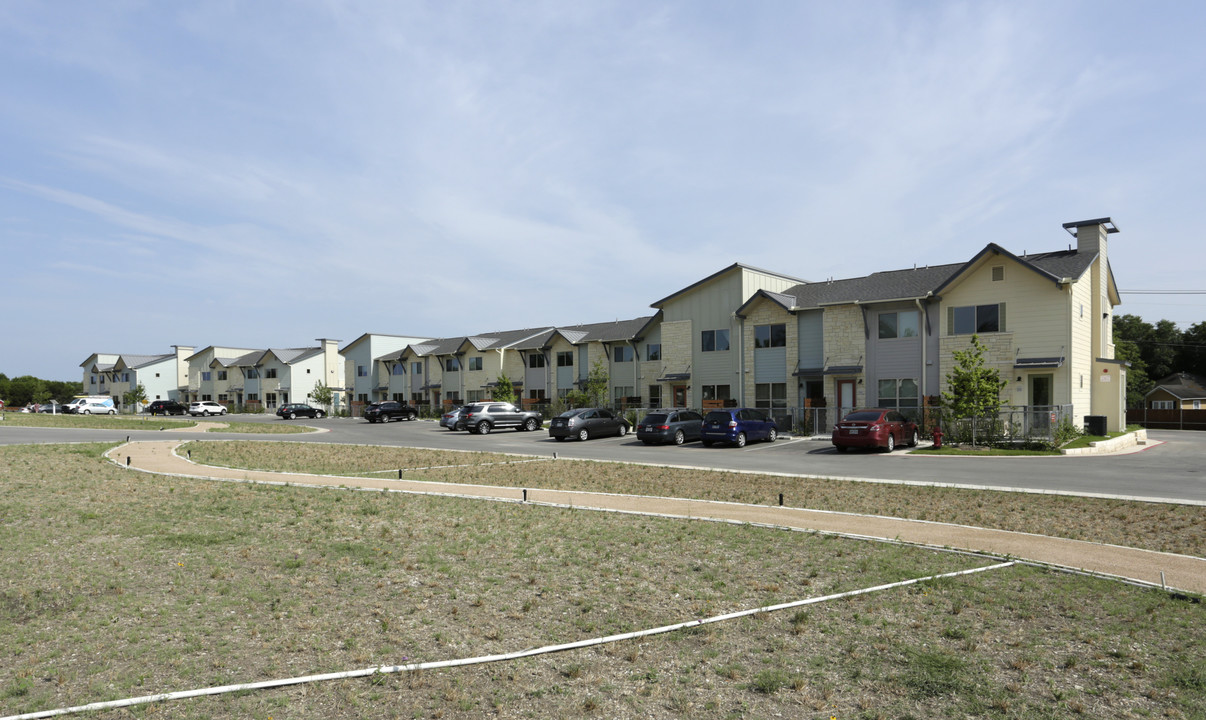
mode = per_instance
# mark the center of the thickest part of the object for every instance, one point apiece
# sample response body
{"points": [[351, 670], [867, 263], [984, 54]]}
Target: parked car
{"points": [[50, 407], [289, 411], [586, 423], [874, 428], [166, 407], [454, 419], [89, 405], [737, 426], [483, 417], [206, 408], [666, 426], [389, 410]]}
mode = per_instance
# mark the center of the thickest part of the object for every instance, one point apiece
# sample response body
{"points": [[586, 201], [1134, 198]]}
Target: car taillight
{"points": [[663, 427], [732, 423], [873, 428]]}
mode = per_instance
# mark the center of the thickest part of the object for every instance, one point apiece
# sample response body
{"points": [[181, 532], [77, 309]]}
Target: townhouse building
{"points": [[363, 381], [161, 376]]}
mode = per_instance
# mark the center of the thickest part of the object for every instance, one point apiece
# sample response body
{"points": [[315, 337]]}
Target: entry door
{"points": [[845, 397], [680, 396], [1041, 394]]}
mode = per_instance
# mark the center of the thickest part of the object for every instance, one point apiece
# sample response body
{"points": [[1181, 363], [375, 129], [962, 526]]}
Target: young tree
{"points": [[594, 392], [134, 397], [973, 390], [504, 391], [322, 395]]}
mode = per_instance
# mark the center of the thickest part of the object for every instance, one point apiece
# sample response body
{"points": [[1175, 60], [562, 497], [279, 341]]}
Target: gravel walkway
{"points": [[1180, 572]]}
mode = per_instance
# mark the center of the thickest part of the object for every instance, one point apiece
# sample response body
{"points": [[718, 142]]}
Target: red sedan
{"points": [[874, 429]]}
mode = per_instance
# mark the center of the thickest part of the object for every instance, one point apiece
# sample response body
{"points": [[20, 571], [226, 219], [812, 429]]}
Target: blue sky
{"points": [[261, 174]]}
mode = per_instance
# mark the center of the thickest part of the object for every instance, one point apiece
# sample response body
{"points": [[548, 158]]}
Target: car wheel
{"points": [[584, 434], [740, 440], [530, 425], [773, 436], [483, 428], [292, 416], [412, 416], [891, 443], [87, 412], [913, 439], [112, 412], [623, 430], [384, 418], [679, 437], [205, 413], [840, 448], [223, 411]]}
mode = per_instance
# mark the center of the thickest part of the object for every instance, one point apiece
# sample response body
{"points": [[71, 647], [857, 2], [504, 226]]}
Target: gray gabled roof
{"points": [[141, 361], [606, 331], [719, 273], [876, 287], [1183, 386]]}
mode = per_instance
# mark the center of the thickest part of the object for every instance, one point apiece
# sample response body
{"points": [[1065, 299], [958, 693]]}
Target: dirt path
{"points": [[1180, 572]]}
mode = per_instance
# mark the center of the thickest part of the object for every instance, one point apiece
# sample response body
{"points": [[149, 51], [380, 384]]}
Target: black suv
{"points": [[390, 410], [288, 411], [483, 417], [666, 426], [166, 407]]}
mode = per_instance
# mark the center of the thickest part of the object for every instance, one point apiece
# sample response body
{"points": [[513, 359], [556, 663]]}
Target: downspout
{"points": [[741, 358], [925, 338]]}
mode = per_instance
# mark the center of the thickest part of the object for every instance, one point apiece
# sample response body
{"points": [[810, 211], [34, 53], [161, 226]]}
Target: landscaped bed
{"points": [[116, 583]]}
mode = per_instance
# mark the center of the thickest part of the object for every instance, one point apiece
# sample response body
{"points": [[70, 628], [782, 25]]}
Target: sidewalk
{"points": [[1180, 572]]}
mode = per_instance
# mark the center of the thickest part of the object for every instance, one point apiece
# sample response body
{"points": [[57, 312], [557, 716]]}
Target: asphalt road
{"points": [[1173, 469]]}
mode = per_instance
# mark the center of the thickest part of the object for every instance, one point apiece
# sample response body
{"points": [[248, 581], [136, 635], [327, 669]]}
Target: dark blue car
{"points": [[737, 426]]}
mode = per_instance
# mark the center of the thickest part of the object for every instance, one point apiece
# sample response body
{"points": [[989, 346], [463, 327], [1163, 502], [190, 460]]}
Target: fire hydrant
{"points": [[937, 437]]}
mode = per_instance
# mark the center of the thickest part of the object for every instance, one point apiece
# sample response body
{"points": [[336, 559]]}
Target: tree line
{"points": [[23, 390], [1157, 351]]}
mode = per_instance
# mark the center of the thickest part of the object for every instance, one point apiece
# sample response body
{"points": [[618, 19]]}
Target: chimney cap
{"points": [[1110, 226]]}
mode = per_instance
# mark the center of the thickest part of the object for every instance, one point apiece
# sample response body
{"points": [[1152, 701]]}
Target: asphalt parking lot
{"points": [[1172, 469]]}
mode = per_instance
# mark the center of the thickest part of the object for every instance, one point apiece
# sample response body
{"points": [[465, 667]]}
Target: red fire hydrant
{"points": [[937, 437]]}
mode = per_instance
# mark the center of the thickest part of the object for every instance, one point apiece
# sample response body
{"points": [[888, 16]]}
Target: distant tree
{"points": [[1162, 359], [1138, 384], [504, 391], [973, 389], [134, 397], [1193, 349]]}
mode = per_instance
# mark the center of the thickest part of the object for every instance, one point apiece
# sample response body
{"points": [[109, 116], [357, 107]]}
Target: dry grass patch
{"points": [[1153, 526], [115, 584]]}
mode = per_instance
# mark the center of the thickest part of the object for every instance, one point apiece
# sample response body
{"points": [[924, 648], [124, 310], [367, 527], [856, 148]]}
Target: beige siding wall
{"points": [[1080, 359]]}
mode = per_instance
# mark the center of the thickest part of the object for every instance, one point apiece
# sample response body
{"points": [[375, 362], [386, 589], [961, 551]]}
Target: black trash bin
{"points": [[1095, 425]]}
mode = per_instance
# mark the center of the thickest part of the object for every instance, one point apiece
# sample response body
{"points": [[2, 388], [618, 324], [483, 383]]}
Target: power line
{"points": [[1162, 292]]}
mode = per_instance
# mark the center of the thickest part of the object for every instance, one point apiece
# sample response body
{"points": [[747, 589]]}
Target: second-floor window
{"points": [[398, 369], [475, 363], [565, 359], [536, 360], [971, 319], [451, 364], [270, 373], [252, 373], [221, 374], [361, 371], [416, 368], [768, 336], [653, 351], [899, 325], [622, 353], [206, 376], [714, 340]]}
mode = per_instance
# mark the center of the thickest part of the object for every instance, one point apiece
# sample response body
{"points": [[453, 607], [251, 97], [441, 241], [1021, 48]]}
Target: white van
{"points": [[91, 405]]}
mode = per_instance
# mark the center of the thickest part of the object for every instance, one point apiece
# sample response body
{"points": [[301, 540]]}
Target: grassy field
{"points": [[117, 584], [144, 422], [1155, 526]]}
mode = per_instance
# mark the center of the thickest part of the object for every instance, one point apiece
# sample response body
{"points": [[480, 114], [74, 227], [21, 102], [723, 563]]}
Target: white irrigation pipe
{"points": [[466, 465], [391, 669]]}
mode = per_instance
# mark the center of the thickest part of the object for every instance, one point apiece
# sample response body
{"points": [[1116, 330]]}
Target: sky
{"points": [[263, 174]]}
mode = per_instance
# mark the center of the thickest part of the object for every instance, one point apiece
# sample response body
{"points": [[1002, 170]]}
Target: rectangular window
{"points": [[252, 373], [536, 394], [716, 392], [767, 336], [1162, 405], [622, 353], [399, 397], [416, 368], [451, 364], [536, 360], [972, 319], [714, 340], [770, 396], [361, 371], [206, 376], [562, 393], [395, 369], [475, 395], [362, 397], [453, 397], [655, 396], [221, 374], [899, 325], [271, 373], [416, 398], [622, 392], [475, 363], [898, 393], [253, 397], [207, 397], [223, 398], [92, 379], [653, 351], [565, 359]]}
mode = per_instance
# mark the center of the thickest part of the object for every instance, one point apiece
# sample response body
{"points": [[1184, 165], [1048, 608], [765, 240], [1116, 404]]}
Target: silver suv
{"points": [[482, 417]]}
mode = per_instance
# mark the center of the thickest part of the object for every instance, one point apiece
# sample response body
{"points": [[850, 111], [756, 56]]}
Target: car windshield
{"points": [[654, 419], [865, 415]]}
